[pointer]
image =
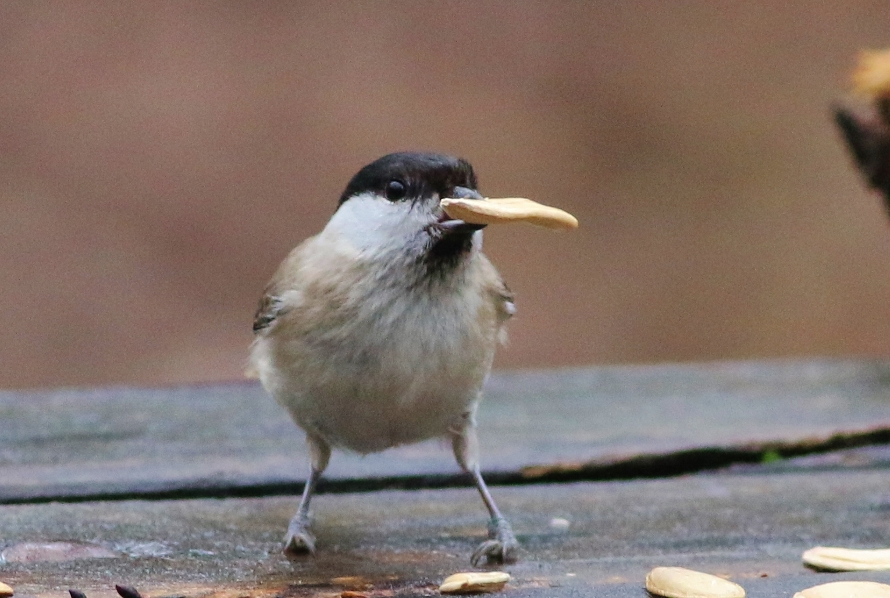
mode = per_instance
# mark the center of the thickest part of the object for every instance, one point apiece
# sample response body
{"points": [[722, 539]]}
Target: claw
{"points": [[299, 540], [299, 544], [500, 547], [490, 550]]}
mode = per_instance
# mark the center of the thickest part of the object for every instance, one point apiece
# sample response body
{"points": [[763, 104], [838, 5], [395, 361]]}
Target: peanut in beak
{"points": [[508, 209]]}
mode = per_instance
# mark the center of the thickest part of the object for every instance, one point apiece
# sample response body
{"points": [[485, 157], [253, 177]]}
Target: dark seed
{"points": [[127, 591]]}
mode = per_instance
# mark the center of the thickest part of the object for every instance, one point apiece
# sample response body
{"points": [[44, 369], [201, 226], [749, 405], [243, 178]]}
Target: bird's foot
{"points": [[501, 546], [299, 540]]}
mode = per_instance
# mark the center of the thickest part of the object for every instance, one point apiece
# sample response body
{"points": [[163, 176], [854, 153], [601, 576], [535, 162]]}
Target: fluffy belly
{"points": [[370, 400], [368, 422]]}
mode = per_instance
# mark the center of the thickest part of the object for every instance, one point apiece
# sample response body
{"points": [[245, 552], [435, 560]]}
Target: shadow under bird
{"points": [[381, 330]]}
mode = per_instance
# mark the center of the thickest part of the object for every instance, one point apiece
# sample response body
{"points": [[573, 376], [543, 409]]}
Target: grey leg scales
{"points": [[501, 545], [299, 540]]}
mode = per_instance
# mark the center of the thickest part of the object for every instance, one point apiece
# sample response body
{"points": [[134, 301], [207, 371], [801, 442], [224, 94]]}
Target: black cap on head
{"points": [[420, 174]]}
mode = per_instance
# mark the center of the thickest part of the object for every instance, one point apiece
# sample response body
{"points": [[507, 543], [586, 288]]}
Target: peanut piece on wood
{"points": [[677, 582], [474, 583], [831, 558], [845, 589]]}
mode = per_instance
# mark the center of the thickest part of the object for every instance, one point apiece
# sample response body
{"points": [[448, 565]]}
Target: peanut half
{"points": [[847, 559], [846, 589], [677, 582], [5, 590], [474, 583], [508, 209]]}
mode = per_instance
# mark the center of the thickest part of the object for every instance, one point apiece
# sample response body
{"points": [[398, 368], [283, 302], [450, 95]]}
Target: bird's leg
{"points": [[299, 540], [501, 545]]}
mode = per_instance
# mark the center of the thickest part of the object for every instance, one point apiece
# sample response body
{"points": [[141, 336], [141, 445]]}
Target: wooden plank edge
{"points": [[626, 467]]}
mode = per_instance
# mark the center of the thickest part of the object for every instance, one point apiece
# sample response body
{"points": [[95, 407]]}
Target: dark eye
{"points": [[396, 190]]}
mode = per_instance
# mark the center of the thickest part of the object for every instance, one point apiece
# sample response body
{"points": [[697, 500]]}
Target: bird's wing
{"points": [[271, 305], [503, 304], [499, 292], [267, 311], [506, 303]]}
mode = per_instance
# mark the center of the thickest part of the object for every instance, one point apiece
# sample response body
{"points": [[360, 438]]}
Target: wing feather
{"points": [[271, 305]]}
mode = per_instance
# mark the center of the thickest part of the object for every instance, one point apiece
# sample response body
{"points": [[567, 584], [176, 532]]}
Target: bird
{"points": [[868, 140], [381, 330]]}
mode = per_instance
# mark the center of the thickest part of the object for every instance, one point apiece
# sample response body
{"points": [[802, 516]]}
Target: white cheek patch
{"points": [[371, 223]]}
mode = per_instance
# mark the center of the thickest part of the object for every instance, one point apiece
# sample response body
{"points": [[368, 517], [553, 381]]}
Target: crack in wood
{"points": [[641, 466]]}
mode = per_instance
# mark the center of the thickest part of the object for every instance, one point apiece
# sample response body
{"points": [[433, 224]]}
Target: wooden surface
{"points": [[750, 526], [750, 521], [119, 441]]}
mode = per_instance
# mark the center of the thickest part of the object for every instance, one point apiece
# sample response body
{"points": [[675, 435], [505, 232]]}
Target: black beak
{"points": [[459, 227], [466, 193]]}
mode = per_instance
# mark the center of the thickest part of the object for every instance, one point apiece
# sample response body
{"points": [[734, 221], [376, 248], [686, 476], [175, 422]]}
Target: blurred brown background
{"points": [[158, 159]]}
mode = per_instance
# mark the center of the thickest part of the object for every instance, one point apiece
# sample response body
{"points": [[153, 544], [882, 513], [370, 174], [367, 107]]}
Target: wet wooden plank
{"points": [[751, 525], [70, 442]]}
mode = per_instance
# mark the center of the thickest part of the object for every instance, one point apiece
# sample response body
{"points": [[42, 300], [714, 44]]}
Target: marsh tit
{"points": [[381, 330]]}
